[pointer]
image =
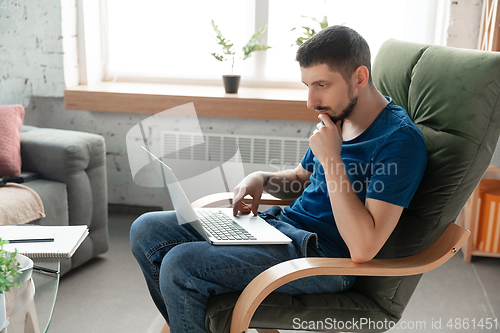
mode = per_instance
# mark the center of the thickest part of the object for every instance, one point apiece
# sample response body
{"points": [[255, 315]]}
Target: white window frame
{"points": [[92, 46], [93, 58], [90, 41]]}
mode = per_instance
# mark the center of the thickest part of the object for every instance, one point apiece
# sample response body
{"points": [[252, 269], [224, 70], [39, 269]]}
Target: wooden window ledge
{"points": [[209, 101]]}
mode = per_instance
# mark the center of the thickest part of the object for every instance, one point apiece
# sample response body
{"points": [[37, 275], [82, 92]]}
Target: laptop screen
{"points": [[184, 210]]}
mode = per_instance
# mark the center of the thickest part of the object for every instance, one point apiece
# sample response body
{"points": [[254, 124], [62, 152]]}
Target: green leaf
{"points": [[253, 44], [226, 44], [308, 31], [324, 22], [9, 268], [218, 57]]}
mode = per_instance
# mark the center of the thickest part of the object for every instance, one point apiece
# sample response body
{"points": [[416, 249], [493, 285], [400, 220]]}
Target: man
{"points": [[365, 162]]}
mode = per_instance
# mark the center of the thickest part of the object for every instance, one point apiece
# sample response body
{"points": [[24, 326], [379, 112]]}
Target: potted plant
{"points": [[308, 31], [9, 269], [231, 82]]}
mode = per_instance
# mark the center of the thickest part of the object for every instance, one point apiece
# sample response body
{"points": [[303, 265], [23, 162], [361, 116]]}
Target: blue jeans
{"points": [[182, 270]]}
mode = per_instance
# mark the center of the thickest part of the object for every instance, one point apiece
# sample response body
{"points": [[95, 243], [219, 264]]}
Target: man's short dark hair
{"points": [[339, 47]]}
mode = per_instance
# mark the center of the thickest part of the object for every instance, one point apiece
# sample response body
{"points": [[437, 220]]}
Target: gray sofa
{"points": [[72, 184]]}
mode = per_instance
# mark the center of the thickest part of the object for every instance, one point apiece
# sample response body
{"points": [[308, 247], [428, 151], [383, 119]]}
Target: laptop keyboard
{"points": [[222, 227]]}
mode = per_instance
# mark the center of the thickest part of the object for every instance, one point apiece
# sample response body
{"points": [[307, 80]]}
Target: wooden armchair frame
{"points": [[256, 291]]}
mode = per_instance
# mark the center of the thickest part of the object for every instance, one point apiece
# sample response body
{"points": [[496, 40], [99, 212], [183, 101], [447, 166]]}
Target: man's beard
{"points": [[345, 113]]}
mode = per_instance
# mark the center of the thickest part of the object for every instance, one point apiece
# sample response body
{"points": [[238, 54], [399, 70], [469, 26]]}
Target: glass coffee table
{"points": [[46, 280]]}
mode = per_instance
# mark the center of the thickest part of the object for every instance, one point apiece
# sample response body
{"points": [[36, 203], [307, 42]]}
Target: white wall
{"points": [[465, 18], [38, 59]]}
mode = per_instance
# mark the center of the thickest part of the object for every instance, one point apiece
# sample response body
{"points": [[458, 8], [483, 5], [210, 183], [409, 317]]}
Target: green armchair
{"points": [[452, 95]]}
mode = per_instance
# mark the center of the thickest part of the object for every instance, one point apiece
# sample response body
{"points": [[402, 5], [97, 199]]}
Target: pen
{"points": [[32, 240], [45, 270]]}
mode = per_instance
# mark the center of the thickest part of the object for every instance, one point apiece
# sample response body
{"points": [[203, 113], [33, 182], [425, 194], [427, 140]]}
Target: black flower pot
{"points": [[231, 83]]}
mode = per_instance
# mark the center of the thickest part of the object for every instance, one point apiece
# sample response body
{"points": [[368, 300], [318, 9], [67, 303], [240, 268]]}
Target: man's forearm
{"points": [[355, 224], [283, 184]]}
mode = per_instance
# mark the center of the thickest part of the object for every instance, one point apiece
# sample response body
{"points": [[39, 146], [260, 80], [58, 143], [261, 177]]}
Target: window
{"points": [[170, 41]]}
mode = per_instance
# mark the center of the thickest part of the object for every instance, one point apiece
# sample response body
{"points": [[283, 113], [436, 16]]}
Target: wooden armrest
{"points": [[271, 279], [226, 198]]}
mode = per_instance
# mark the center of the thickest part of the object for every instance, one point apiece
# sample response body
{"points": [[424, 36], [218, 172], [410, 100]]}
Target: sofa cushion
{"points": [[11, 121], [55, 201]]}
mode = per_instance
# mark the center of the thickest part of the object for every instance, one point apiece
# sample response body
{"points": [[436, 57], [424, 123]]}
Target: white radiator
{"points": [[217, 162], [223, 147]]}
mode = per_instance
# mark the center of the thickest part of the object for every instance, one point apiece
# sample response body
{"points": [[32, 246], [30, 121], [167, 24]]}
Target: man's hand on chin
{"points": [[326, 141]]}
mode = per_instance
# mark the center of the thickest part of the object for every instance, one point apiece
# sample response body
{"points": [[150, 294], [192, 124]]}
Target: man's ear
{"points": [[361, 76]]}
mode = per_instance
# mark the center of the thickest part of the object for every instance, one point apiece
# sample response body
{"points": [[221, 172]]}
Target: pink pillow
{"points": [[11, 121]]}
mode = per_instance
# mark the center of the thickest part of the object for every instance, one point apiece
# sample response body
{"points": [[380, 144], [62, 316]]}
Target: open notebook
{"points": [[67, 239]]}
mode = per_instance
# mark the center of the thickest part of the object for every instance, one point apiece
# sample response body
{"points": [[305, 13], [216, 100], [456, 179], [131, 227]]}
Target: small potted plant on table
{"points": [[231, 82]]}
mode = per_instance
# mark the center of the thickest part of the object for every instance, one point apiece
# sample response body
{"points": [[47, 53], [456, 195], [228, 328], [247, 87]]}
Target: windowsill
{"points": [[209, 101]]}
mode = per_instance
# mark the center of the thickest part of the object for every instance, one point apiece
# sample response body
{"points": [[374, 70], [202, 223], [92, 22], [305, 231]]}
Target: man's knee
{"points": [[145, 226], [138, 232], [183, 262], [139, 228]]}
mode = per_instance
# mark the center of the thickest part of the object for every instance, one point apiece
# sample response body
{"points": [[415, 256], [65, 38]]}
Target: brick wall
{"points": [[38, 49]]}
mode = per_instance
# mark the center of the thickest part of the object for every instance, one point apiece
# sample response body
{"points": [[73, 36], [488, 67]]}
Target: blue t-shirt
{"points": [[385, 162]]}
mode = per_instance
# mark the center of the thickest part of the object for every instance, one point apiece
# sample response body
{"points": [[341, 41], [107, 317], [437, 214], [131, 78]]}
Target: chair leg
{"points": [[166, 329]]}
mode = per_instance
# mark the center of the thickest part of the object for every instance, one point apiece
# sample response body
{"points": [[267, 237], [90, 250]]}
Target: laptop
{"points": [[217, 225]]}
